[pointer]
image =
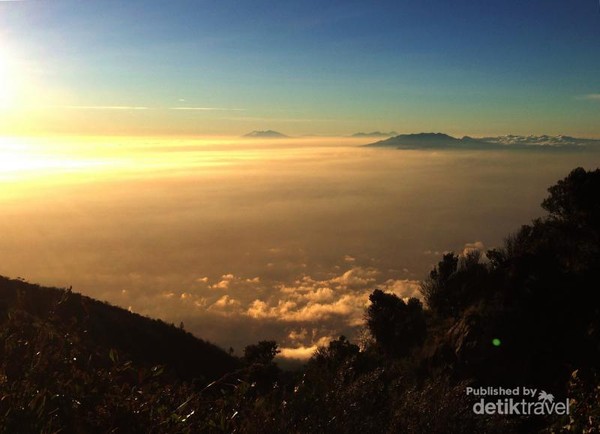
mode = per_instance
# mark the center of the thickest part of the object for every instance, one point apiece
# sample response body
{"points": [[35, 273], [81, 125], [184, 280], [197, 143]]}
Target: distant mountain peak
{"points": [[375, 134], [509, 141], [428, 136], [420, 140], [264, 134]]}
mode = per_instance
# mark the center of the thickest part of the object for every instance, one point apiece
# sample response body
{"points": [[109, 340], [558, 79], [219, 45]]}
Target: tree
{"points": [[576, 198], [396, 326], [335, 353], [456, 283], [435, 288], [264, 352]]}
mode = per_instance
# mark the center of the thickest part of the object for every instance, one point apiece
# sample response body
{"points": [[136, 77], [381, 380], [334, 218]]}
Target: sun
{"points": [[23, 159]]}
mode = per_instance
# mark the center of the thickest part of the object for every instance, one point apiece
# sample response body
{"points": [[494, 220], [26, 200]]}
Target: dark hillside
{"points": [[103, 328]]}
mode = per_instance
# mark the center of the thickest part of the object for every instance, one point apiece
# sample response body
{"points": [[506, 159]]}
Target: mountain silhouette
{"points": [[265, 134], [445, 141], [375, 134], [430, 141]]}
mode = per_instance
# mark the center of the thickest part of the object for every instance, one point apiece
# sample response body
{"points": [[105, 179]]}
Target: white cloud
{"points": [[300, 353], [301, 314], [258, 310], [357, 276], [200, 303], [224, 283], [225, 305], [298, 335], [232, 282], [100, 107], [470, 247], [592, 96], [319, 295], [403, 288], [226, 301], [208, 109], [304, 352], [344, 297]]}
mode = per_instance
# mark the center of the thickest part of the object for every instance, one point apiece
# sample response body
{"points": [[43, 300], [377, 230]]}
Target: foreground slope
{"points": [[69, 363], [103, 328]]}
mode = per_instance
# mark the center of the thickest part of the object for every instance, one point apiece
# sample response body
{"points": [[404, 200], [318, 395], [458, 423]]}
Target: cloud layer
{"points": [[303, 313], [244, 242]]}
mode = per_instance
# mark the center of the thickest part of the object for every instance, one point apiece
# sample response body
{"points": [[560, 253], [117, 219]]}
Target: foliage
{"points": [[263, 352], [396, 326], [575, 198], [435, 289]]}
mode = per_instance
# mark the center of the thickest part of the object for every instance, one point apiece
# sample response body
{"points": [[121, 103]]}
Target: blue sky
{"points": [[336, 67]]}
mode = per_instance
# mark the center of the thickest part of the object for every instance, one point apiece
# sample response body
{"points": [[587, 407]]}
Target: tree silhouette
{"points": [[576, 198], [263, 352], [334, 354], [435, 288], [396, 326]]}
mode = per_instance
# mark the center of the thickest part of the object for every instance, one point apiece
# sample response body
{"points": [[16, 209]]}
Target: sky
{"points": [[310, 67]]}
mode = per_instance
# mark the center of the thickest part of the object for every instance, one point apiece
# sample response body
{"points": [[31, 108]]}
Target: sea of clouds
{"points": [[272, 240]]}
